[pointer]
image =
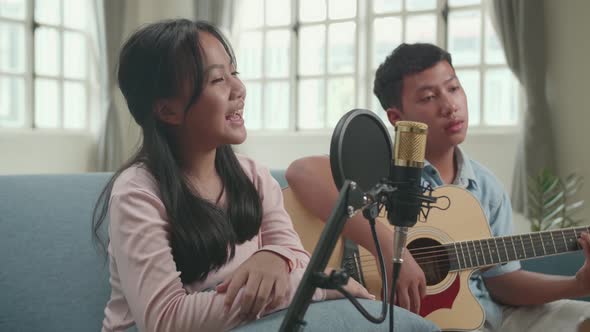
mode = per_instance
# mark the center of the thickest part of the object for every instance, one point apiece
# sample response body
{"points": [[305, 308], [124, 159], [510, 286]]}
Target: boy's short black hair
{"points": [[405, 59]]}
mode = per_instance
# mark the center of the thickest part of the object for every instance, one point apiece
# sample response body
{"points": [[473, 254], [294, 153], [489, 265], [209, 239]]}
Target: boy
{"points": [[417, 82]]}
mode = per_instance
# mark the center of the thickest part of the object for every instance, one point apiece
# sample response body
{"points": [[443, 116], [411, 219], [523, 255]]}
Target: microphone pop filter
{"points": [[360, 150]]}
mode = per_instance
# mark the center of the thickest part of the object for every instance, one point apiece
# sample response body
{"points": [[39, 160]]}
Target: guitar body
{"points": [[309, 227], [449, 302]]}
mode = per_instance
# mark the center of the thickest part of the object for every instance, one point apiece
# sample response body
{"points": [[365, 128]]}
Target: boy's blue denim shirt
{"points": [[496, 206]]}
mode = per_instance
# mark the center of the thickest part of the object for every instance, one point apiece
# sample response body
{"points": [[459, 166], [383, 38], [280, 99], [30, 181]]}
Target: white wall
{"points": [[26, 152], [495, 151], [568, 49]]}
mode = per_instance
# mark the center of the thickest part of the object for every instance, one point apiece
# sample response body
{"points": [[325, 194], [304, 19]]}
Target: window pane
{"points": [[48, 11], [278, 12], [470, 82], [342, 9], [251, 13], [312, 48], [494, 53], [250, 55], [312, 10], [46, 103], [500, 102], [421, 28], [341, 37], [311, 104], [378, 109], [387, 35], [340, 99], [74, 105], [12, 9], [253, 107], [276, 105], [383, 6], [75, 55], [75, 13], [420, 4], [12, 102], [12, 47], [465, 37], [278, 45], [47, 55], [454, 3]]}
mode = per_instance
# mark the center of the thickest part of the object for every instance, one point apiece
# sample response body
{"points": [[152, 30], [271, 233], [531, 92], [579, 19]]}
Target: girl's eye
{"points": [[235, 73], [217, 80]]}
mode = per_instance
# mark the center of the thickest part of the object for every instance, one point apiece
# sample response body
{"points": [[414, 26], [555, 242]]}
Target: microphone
{"points": [[404, 205]]}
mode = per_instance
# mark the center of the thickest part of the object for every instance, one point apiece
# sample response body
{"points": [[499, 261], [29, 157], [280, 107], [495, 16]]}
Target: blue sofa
{"points": [[51, 277]]}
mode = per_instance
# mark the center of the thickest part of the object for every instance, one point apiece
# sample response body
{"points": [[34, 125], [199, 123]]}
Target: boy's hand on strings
{"points": [[583, 275], [263, 275], [411, 284]]}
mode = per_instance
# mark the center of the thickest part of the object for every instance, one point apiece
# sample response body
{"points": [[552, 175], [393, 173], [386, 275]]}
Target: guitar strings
{"points": [[528, 243], [446, 253], [443, 253]]}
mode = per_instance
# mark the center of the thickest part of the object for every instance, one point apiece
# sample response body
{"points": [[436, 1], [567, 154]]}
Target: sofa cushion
{"points": [[51, 277], [566, 264]]}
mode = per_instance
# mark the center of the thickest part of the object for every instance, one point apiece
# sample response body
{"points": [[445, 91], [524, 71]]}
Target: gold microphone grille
{"points": [[410, 143]]}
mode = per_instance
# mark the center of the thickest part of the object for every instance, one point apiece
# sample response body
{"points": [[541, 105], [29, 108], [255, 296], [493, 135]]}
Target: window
{"points": [[45, 67], [478, 57], [307, 62]]}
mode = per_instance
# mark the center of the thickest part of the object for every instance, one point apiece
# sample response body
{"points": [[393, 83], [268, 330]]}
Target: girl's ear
{"points": [[167, 112], [394, 115]]}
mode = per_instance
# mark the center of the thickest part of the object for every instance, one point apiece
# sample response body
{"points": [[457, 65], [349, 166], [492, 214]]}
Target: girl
{"points": [[198, 237]]}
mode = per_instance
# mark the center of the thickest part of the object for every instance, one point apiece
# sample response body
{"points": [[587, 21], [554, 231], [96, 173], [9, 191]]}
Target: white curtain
{"points": [[218, 12], [521, 27], [110, 17]]}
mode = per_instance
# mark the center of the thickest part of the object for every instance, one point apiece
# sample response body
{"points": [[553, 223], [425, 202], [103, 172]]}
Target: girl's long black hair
{"points": [[155, 63]]}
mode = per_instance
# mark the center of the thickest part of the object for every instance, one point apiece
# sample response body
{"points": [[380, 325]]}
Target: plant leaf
{"points": [[553, 200], [554, 223], [553, 213], [575, 205], [552, 183]]}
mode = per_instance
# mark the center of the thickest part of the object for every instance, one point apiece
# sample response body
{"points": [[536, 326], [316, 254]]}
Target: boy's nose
{"points": [[449, 109]]}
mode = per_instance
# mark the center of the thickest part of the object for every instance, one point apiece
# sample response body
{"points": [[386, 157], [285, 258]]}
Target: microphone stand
{"points": [[349, 200]]}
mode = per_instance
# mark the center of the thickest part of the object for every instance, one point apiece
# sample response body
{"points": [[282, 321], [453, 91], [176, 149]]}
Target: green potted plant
{"points": [[551, 201]]}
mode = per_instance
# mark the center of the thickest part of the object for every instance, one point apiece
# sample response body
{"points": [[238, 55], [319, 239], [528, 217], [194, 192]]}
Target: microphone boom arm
{"points": [[350, 197]]}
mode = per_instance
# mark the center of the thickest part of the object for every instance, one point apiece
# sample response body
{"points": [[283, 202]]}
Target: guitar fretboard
{"points": [[478, 253]]}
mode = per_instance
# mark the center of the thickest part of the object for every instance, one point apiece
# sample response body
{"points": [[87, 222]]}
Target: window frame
{"points": [[363, 73], [30, 76]]}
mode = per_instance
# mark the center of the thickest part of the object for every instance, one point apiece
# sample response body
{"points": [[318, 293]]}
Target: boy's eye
{"points": [[216, 80], [235, 73]]}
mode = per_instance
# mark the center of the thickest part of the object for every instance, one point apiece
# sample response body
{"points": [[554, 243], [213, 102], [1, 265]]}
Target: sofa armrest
{"points": [[566, 264]]}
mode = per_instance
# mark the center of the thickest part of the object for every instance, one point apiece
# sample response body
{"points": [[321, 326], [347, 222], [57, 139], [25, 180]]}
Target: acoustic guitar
{"points": [[453, 242]]}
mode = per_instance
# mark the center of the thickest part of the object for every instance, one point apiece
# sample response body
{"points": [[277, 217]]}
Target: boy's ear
{"points": [[167, 113], [394, 114]]}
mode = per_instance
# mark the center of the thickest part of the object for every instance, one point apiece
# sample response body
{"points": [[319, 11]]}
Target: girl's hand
{"points": [[353, 287], [263, 275]]}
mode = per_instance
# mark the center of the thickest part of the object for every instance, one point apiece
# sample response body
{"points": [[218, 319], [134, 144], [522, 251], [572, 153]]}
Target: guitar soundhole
{"points": [[432, 257]]}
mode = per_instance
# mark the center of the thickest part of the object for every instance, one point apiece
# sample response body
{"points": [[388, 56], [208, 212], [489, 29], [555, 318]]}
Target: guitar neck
{"points": [[479, 253]]}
